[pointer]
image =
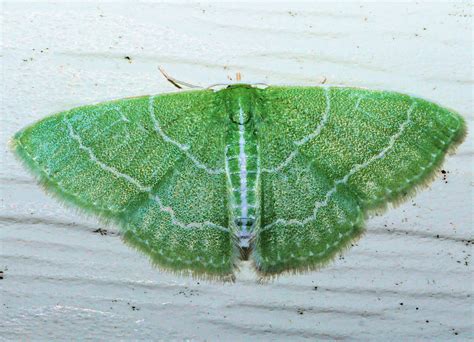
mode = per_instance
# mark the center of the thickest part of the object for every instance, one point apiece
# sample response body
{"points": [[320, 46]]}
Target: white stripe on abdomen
{"points": [[243, 171]]}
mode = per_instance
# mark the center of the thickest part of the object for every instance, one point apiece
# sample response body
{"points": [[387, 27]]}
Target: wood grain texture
{"points": [[409, 277]]}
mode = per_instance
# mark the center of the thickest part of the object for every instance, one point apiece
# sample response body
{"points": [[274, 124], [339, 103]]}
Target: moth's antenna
{"points": [[175, 82]]}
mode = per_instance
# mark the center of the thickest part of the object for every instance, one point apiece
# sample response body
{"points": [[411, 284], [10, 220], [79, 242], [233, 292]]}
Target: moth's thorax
{"points": [[239, 102]]}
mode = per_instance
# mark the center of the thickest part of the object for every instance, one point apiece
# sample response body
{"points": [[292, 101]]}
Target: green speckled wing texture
{"points": [[199, 180]]}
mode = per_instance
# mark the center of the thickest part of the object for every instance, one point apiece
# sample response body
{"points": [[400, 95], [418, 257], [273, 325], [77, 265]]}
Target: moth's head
{"points": [[239, 100]]}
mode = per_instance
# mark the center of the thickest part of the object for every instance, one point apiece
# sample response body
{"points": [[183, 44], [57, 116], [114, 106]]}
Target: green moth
{"points": [[201, 179]]}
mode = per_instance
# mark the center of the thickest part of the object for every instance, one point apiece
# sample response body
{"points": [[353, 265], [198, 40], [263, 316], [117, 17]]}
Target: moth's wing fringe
{"points": [[50, 187], [72, 202], [423, 182], [195, 274], [315, 264]]}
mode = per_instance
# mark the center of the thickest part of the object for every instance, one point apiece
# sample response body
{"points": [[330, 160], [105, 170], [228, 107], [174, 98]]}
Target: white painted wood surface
{"points": [[408, 278]]}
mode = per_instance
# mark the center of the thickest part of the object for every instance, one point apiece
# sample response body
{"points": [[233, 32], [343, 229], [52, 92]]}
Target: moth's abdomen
{"points": [[242, 169]]}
